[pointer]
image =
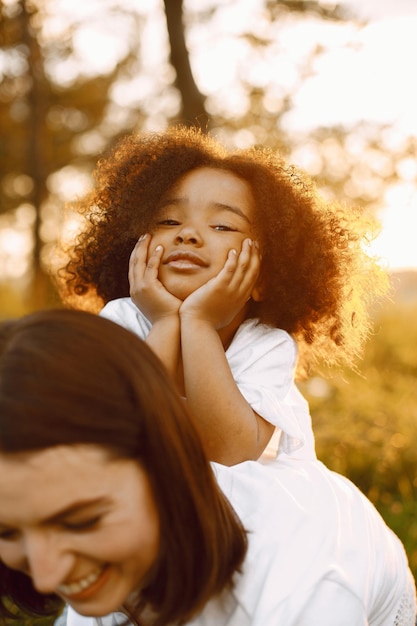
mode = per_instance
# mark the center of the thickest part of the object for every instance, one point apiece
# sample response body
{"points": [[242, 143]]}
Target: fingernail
{"points": [[158, 248]]}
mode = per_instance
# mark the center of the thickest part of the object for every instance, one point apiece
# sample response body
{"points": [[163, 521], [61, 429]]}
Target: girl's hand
{"points": [[146, 290], [220, 299]]}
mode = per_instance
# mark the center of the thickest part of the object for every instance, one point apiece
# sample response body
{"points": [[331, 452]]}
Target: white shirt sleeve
{"points": [[263, 361], [113, 619], [125, 313], [74, 619], [319, 553], [328, 604]]}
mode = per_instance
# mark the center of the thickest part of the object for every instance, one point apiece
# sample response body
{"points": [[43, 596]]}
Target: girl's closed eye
{"points": [[168, 222], [224, 227]]}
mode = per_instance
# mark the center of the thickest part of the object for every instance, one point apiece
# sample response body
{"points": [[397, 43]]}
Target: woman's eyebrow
{"points": [[76, 507], [5, 528]]}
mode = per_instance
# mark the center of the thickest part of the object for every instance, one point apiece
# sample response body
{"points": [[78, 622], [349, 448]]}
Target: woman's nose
{"points": [[47, 563]]}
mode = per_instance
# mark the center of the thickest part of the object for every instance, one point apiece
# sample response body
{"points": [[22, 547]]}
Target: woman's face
{"points": [[81, 524], [205, 215]]}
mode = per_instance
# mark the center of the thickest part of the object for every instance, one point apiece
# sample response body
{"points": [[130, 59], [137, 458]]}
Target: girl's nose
{"points": [[189, 234], [47, 564]]}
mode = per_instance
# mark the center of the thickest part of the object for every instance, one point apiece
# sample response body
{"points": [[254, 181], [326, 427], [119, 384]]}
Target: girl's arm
{"points": [[159, 306], [231, 431], [164, 340]]}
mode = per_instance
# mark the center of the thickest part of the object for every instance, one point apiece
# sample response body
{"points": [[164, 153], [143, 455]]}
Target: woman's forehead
{"points": [[38, 484]]}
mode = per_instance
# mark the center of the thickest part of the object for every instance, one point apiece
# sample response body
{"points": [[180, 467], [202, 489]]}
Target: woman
{"points": [[108, 503]]}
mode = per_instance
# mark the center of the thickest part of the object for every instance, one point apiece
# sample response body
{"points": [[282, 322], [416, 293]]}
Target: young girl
{"points": [[108, 503], [237, 266]]}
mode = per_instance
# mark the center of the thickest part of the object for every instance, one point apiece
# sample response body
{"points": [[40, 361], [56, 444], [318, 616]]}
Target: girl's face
{"points": [[81, 524], [206, 214]]}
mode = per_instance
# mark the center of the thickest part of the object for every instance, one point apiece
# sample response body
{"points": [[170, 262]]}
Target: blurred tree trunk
{"points": [[193, 111], [35, 151], [40, 122]]}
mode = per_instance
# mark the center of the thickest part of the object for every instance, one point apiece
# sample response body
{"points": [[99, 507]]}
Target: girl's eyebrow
{"points": [[233, 209], [177, 200]]}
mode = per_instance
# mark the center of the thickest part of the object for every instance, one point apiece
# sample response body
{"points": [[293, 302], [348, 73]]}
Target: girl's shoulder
{"points": [[252, 329], [124, 312], [255, 340]]}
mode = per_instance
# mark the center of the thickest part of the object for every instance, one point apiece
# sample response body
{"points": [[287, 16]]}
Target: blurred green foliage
{"points": [[23, 621], [15, 301], [365, 422]]}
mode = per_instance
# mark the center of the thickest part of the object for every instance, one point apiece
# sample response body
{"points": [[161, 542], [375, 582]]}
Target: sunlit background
{"points": [[342, 89], [329, 84]]}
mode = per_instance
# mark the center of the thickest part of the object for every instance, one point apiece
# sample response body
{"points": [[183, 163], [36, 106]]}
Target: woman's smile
{"points": [[90, 530], [85, 587]]}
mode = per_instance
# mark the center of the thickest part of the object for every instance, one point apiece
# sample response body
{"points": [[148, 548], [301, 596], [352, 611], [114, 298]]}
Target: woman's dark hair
{"points": [[71, 377], [317, 280]]}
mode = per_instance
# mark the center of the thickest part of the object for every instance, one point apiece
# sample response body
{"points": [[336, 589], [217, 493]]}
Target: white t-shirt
{"points": [[319, 554], [262, 360]]}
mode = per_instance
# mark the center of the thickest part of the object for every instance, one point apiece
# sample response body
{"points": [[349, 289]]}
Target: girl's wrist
{"points": [[166, 319]]}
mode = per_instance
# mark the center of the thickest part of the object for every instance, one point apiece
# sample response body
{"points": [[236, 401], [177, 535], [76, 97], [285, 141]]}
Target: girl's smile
{"points": [[205, 215], [90, 533], [184, 260]]}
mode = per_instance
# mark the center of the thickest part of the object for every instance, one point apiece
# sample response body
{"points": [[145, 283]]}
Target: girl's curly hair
{"points": [[317, 280]]}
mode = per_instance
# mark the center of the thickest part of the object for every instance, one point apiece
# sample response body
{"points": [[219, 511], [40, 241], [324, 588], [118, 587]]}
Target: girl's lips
{"points": [[85, 587], [184, 260], [182, 264]]}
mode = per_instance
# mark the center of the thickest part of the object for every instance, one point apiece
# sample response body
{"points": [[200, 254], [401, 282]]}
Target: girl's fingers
{"points": [[138, 256], [144, 263], [238, 276], [242, 266], [141, 249], [231, 261], [247, 266], [154, 261]]}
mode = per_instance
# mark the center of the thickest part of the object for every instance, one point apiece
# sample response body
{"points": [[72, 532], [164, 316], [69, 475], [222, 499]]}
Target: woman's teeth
{"points": [[80, 585]]}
